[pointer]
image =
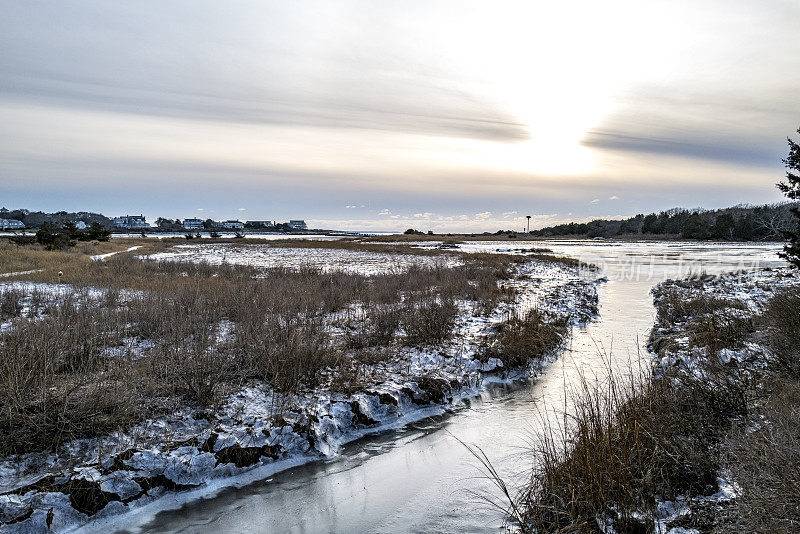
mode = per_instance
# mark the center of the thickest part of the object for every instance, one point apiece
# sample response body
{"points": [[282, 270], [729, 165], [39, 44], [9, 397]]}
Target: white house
{"points": [[231, 225], [132, 222], [193, 224], [11, 224], [259, 224], [80, 225], [298, 224]]}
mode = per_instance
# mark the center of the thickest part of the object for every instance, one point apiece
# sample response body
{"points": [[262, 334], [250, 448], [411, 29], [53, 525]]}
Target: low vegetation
{"points": [[128, 339], [521, 338], [629, 445], [762, 456]]}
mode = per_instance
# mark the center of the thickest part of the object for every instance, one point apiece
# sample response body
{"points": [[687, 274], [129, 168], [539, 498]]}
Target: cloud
{"points": [[242, 209], [126, 61], [308, 105], [613, 197], [731, 151], [595, 201]]}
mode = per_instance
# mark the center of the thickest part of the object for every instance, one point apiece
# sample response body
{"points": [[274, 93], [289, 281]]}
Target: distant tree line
{"points": [[748, 223], [57, 237], [35, 219], [175, 225]]}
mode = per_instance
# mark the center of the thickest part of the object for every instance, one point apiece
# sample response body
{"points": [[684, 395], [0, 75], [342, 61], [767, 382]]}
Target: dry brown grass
{"points": [[673, 306], [765, 463], [782, 321], [15, 258], [710, 321], [630, 444], [521, 339], [58, 380], [762, 454]]}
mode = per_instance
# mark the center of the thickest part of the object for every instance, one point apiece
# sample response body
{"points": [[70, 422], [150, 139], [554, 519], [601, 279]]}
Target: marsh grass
{"points": [[522, 338], [629, 443], [14, 258], [135, 338], [762, 454]]}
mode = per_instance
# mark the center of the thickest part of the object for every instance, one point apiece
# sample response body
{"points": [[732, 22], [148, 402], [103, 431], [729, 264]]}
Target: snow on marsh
{"points": [[257, 428], [329, 260]]}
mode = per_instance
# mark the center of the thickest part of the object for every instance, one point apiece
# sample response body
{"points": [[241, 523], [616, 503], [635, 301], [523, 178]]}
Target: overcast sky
{"points": [[383, 115]]}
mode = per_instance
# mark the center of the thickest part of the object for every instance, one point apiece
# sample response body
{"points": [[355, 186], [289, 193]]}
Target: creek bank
{"points": [[713, 330], [659, 452], [91, 479]]}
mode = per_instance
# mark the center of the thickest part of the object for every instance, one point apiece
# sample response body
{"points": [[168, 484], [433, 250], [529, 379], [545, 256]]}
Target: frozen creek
{"points": [[420, 478]]}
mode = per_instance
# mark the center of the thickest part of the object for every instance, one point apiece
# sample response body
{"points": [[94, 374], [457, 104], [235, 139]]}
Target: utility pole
{"points": [[529, 223]]}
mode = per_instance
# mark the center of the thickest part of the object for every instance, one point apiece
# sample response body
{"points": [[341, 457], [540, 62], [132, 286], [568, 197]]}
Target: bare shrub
{"points": [[521, 339], [782, 319], [429, 320], [48, 392], [376, 328], [764, 461], [628, 444], [285, 355], [10, 305]]}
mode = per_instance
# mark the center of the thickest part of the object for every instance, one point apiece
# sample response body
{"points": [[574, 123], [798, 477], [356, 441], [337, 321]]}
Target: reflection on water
{"points": [[421, 479]]}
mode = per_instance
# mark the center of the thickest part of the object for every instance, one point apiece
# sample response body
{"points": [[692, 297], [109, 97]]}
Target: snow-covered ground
{"points": [[747, 294], [750, 290], [350, 261], [259, 431], [20, 273], [101, 257]]}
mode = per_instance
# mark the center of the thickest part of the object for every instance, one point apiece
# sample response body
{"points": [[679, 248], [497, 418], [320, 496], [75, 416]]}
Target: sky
{"points": [[377, 115]]}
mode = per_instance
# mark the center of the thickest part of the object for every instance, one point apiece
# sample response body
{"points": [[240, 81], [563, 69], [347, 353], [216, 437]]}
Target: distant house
{"points": [[11, 224], [259, 224], [298, 224], [193, 224], [130, 222], [80, 225], [231, 225]]}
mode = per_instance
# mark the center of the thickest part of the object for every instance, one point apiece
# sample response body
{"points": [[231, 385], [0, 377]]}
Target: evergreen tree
{"points": [[650, 224], [745, 227], [53, 238], [723, 226], [71, 230], [694, 227], [98, 232], [791, 188]]}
